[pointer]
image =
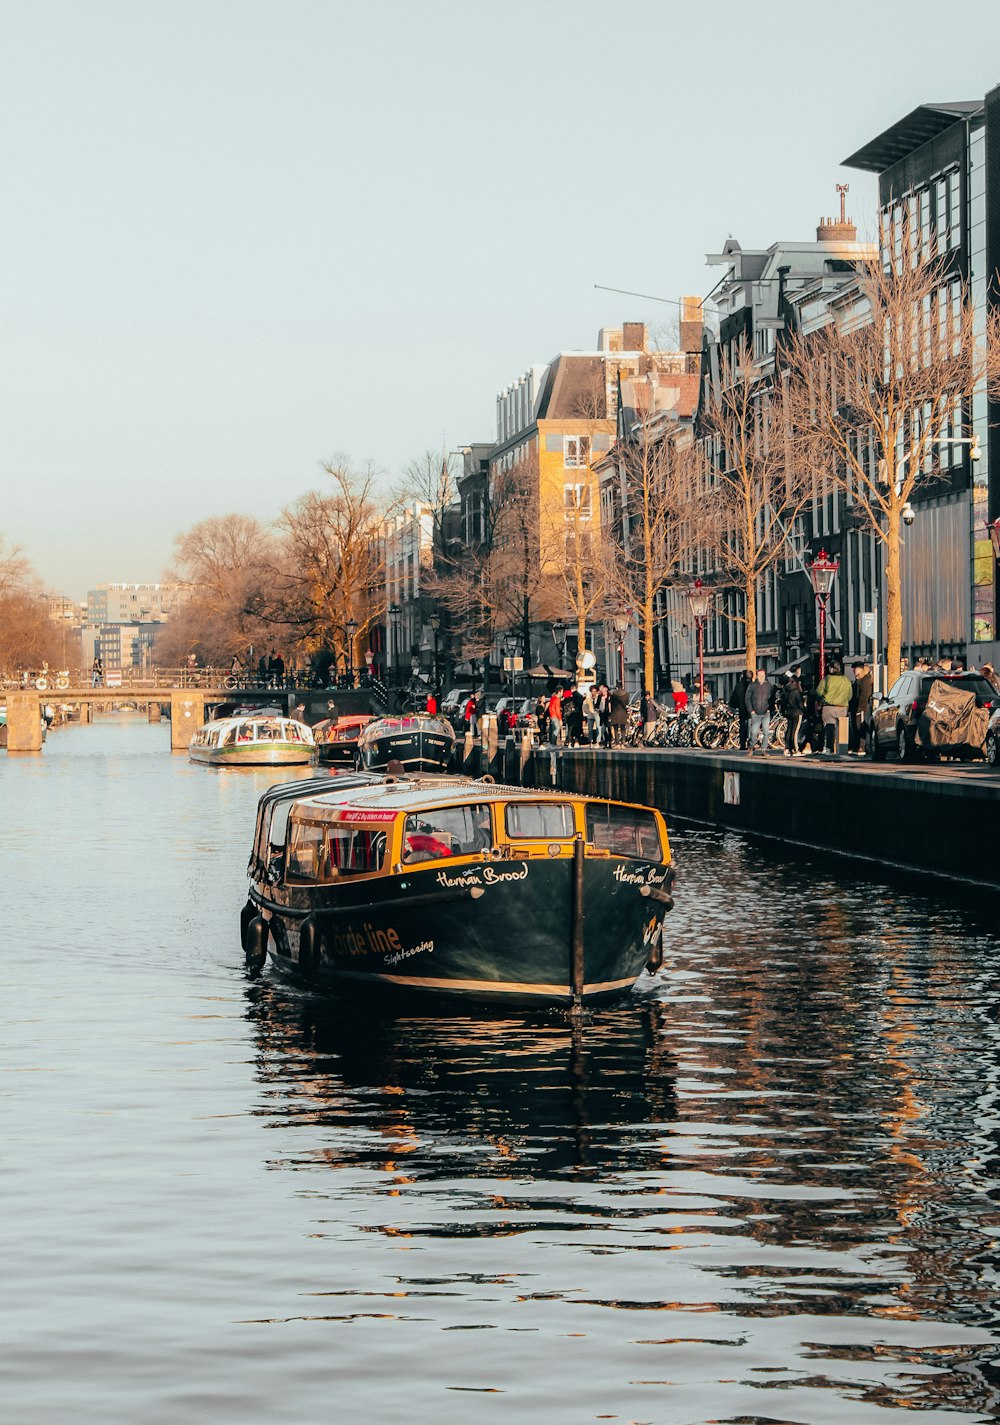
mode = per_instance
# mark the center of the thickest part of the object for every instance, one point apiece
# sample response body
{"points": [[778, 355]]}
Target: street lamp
{"points": [[351, 628], [701, 600], [621, 623], [435, 630], [393, 635], [822, 571], [559, 638]]}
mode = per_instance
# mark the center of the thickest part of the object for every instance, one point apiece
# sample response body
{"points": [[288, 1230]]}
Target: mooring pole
{"points": [[576, 934]]}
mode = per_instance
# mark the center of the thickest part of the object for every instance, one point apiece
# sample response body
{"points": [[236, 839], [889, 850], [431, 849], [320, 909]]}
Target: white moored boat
{"points": [[262, 739]]}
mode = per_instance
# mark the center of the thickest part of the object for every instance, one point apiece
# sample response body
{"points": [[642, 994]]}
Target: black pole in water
{"points": [[576, 934]]}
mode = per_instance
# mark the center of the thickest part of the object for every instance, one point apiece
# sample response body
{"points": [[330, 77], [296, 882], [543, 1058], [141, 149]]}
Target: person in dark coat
{"points": [[618, 715], [738, 702], [793, 705], [573, 713], [860, 710]]}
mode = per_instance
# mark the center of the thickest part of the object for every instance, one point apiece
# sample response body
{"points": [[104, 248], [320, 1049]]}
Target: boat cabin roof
{"points": [[403, 794]]}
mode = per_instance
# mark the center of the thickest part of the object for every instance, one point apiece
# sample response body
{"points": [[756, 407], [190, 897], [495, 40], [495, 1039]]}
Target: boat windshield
{"points": [[624, 831], [320, 852], [546, 821], [447, 831]]}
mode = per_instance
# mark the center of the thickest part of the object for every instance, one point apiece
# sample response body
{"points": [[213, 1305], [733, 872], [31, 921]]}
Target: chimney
{"points": [[831, 230], [692, 322], [634, 336]]}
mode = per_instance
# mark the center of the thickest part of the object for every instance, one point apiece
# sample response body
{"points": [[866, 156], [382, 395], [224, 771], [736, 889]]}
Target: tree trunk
{"points": [[893, 600], [750, 596], [647, 643]]}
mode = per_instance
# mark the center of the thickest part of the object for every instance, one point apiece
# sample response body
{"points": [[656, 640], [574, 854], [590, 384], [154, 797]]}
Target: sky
{"points": [[241, 238]]}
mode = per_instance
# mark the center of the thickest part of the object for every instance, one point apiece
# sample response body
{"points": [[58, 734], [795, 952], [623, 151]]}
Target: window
{"points": [[447, 831], [576, 451], [553, 443], [576, 500], [624, 832], [321, 852], [544, 821]]}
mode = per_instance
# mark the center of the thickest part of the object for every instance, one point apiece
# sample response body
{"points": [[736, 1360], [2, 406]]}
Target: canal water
{"points": [[765, 1189]]}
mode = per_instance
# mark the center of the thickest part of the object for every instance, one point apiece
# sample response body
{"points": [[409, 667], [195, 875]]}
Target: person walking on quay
{"points": [[603, 705], [97, 674], [432, 703], [834, 692], [860, 708], [478, 710], [759, 701], [555, 718], [573, 713], [262, 672], [618, 716], [647, 714], [738, 702], [593, 722], [542, 715], [793, 705]]}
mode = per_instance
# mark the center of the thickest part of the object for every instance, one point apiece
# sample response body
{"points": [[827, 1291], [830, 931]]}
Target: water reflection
{"points": [[782, 1153]]}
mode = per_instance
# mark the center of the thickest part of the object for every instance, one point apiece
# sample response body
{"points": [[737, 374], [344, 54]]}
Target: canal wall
{"points": [[923, 820]]}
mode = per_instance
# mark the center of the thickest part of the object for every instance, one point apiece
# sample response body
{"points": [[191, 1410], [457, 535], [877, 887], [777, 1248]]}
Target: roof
{"points": [[405, 793], [924, 123]]}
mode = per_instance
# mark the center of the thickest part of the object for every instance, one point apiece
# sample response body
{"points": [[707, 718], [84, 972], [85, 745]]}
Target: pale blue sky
{"points": [[242, 236]]}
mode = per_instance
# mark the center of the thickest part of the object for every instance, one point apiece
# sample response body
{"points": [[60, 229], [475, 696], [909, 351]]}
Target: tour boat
{"points": [[450, 886], [337, 738], [419, 742], [259, 739]]}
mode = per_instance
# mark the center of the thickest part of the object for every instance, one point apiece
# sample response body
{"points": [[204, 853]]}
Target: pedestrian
{"points": [[555, 711], [276, 670], [478, 709], [262, 672], [602, 703], [759, 702], [590, 717], [97, 674], [432, 704], [542, 715], [469, 711], [573, 712], [680, 696], [834, 692], [647, 714], [860, 710], [793, 706], [988, 672], [738, 702], [618, 715]]}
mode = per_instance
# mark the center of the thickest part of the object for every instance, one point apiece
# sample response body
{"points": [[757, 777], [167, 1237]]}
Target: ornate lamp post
{"points": [[351, 629], [393, 612], [621, 622], [701, 600], [435, 622], [822, 571], [559, 638]]}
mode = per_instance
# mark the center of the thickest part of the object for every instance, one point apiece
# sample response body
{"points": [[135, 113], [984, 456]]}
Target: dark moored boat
{"points": [[451, 886], [337, 738], [419, 742]]}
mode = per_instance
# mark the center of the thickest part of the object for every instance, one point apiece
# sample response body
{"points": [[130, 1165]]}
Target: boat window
{"points": [[230, 737], [247, 732], [548, 821], [326, 853], [624, 831], [447, 831]]}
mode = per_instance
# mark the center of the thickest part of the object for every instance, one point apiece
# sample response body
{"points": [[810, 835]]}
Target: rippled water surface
{"points": [[765, 1189]]}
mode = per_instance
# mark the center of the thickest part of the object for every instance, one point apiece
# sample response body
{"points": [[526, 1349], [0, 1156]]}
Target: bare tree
{"points": [[14, 570], [760, 483], [882, 387], [664, 520], [220, 563], [326, 585]]}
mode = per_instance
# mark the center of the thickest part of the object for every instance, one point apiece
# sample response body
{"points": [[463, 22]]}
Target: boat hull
{"points": [[272, 755], [415, 749], [491, 931]]}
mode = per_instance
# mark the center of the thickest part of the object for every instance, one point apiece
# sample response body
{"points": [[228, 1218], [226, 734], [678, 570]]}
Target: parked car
{"points": [[453, 702], [895, 718], [523, 710], [993, 739]]}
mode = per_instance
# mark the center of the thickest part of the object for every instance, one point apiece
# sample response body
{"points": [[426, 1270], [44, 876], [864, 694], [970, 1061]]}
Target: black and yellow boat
{"points": [[450, 886]]}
